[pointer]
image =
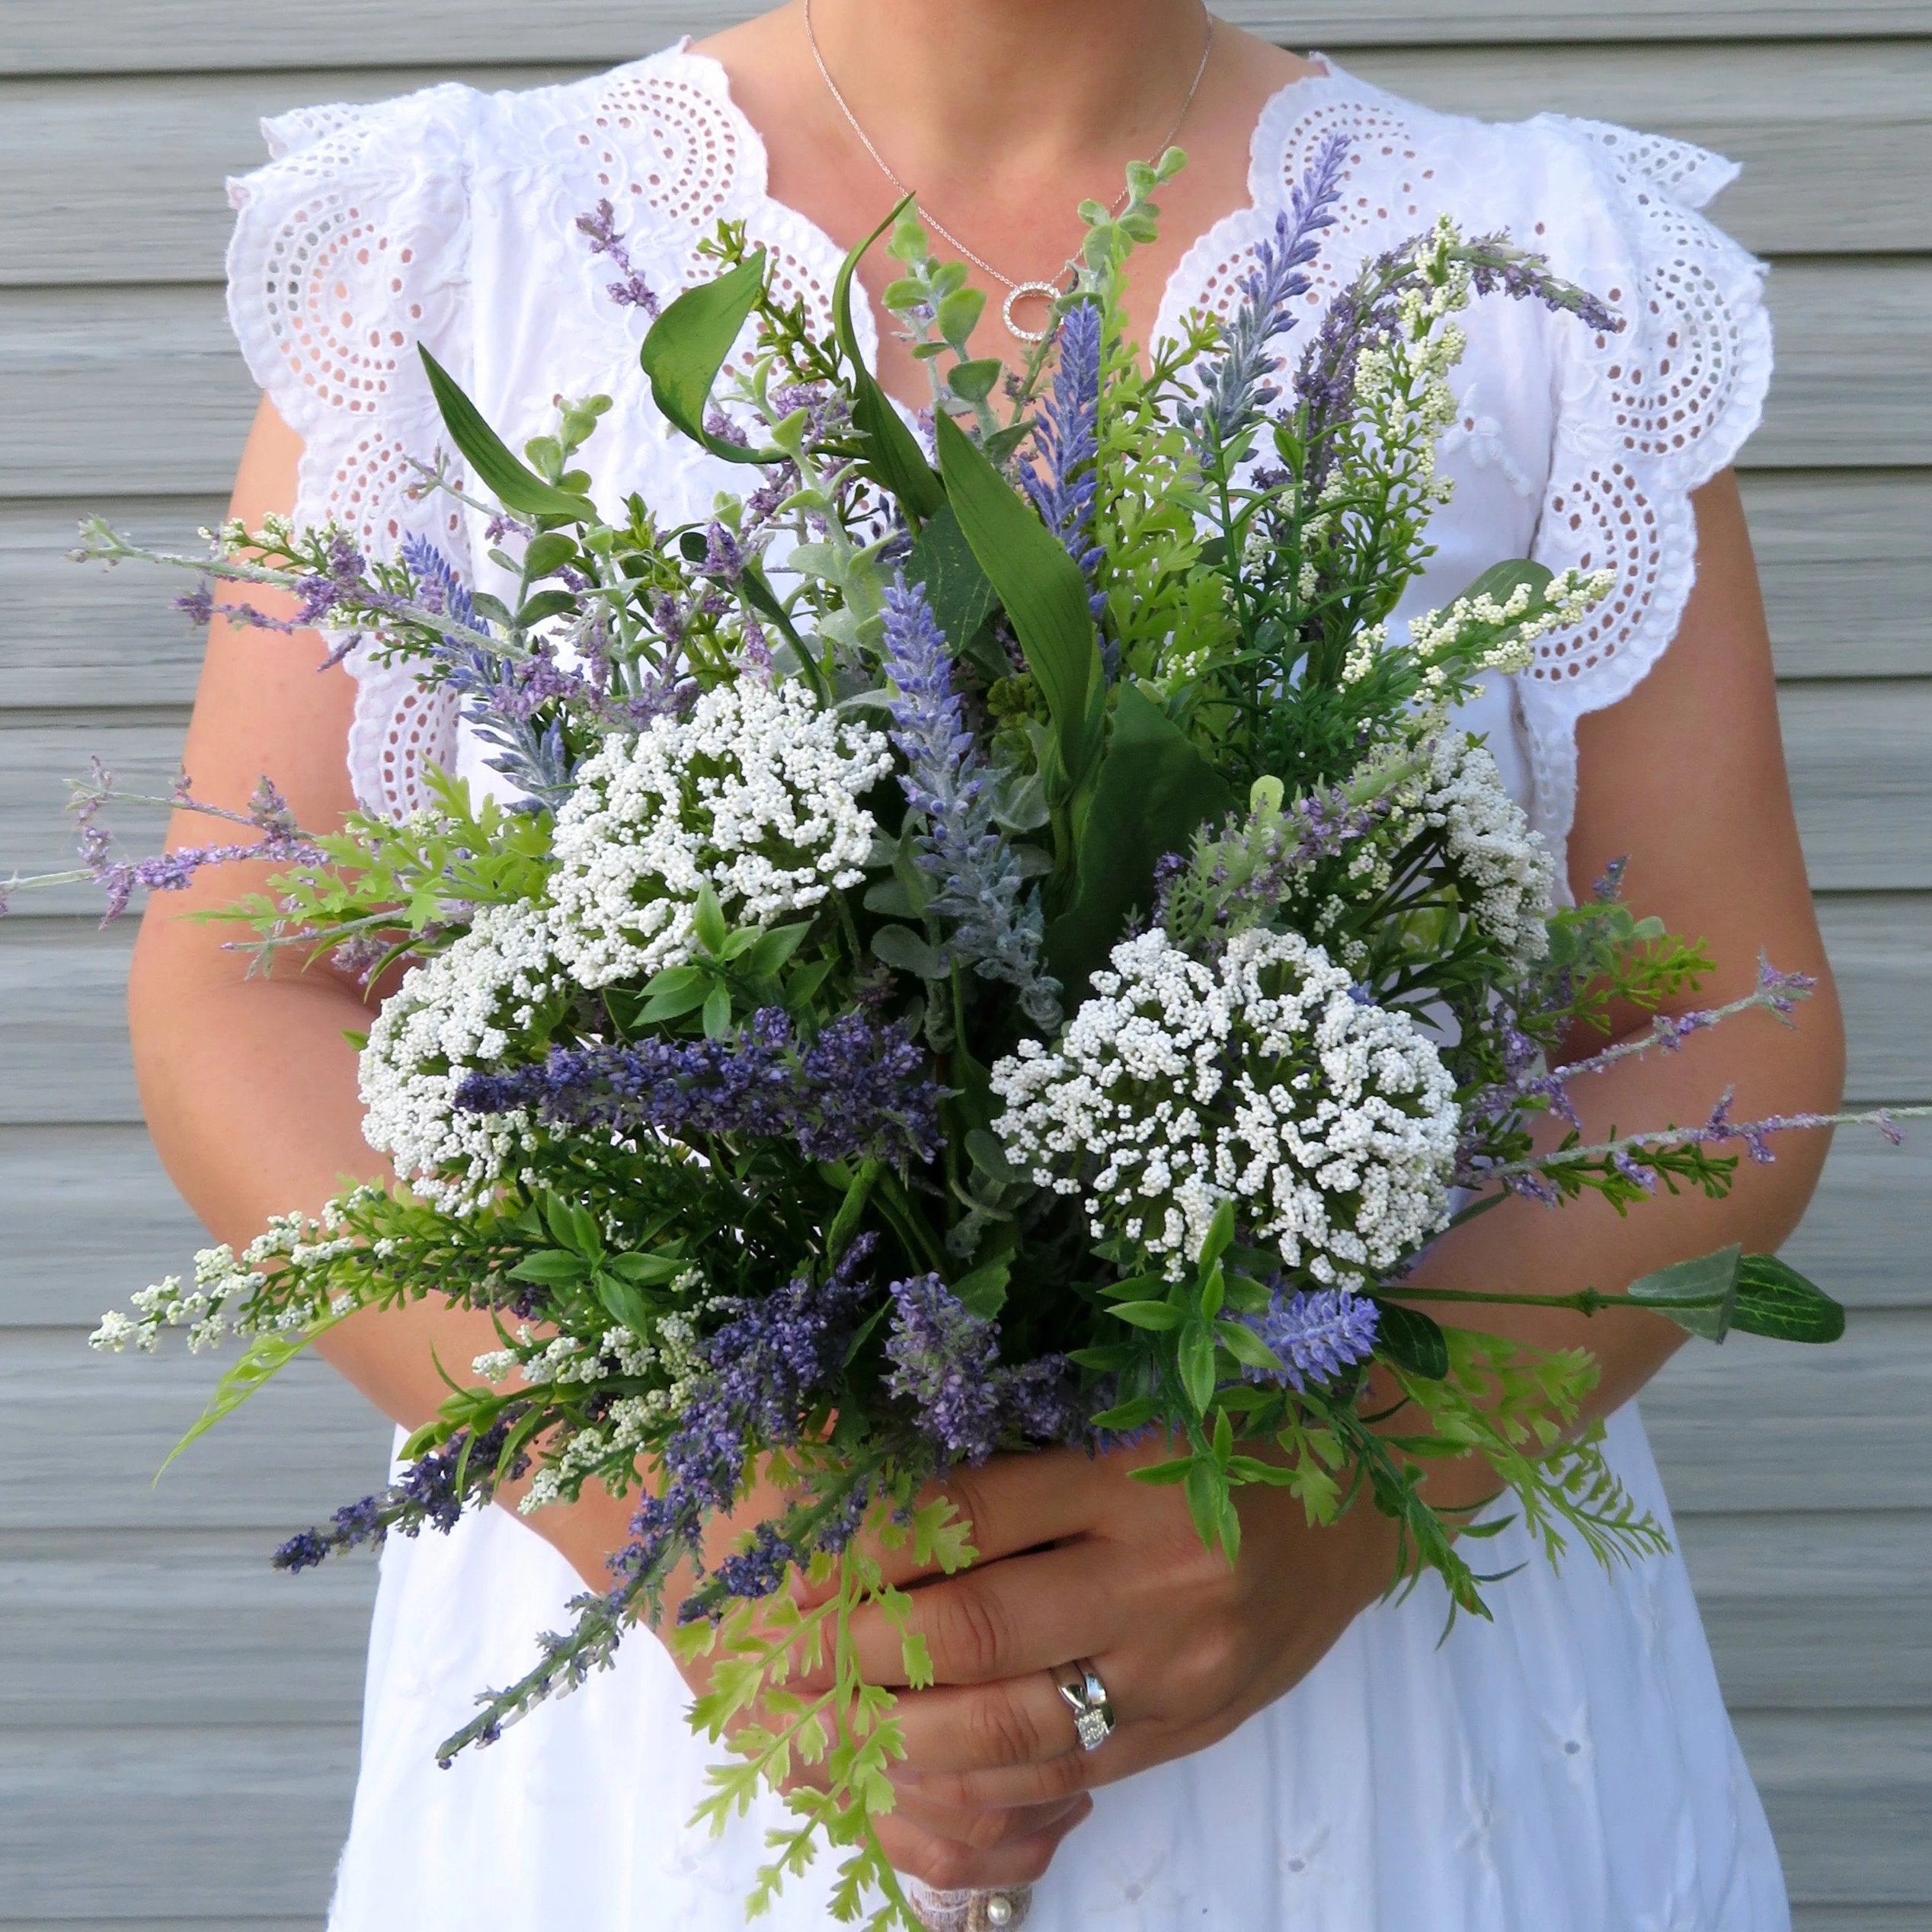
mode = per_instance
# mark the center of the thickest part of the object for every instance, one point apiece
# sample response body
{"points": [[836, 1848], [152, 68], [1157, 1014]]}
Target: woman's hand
{"points": [[1077, 1561]]}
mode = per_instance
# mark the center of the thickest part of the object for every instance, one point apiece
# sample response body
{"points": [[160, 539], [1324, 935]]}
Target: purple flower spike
{"points": [[1317, 1336], [630, 290], [1062, 486]]}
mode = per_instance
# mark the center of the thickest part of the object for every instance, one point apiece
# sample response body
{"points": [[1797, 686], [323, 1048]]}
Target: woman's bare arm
{"points": [[250, 1085]]}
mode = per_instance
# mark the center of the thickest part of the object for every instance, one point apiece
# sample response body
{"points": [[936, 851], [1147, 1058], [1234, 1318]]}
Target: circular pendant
{"points": [[1047, 292]]}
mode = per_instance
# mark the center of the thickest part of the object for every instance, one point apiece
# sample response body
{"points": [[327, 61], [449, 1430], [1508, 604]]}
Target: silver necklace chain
{"points": [[1015, 290]]}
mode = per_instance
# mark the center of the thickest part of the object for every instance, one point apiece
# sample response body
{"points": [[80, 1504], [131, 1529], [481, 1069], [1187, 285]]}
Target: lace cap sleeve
{"points": [[1643, 417], [351, 247]]}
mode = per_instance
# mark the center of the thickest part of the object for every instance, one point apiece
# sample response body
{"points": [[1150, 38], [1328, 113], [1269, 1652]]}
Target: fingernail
{"points": [[904, 1774]]}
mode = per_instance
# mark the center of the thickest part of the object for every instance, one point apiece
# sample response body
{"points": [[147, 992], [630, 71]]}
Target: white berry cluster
{"points": [[1504, 871], [455, 1015], [1261, 1079], [755, 793]]}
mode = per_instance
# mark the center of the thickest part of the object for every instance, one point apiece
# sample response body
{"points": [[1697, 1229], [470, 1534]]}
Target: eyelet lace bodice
{"points": [[448, 217]]}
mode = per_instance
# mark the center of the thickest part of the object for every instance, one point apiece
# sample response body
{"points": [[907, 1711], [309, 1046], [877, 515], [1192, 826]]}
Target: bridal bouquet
{"points": [[995, 941]]}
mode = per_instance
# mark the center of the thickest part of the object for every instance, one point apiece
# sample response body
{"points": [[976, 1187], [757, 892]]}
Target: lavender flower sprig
{"points": [[997, 924], [1063, 484], [859, 1091], [1236, 390]]}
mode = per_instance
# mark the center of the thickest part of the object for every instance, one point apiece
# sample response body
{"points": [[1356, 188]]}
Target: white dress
{"points": [[1568, 1768]]}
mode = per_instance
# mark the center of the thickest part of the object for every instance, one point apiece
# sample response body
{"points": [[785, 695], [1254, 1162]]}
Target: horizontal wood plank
{"points": [[1848, 1796], [1811, 1614], [92, 1429], [1847, 571], [1847, 576], [86, 1216], [126, 392], [1857, 1918], [94, 635], [1761, 1425], [1834, 139], [185, 1629], [175, 36], [229, 1823], [1881, 951]]}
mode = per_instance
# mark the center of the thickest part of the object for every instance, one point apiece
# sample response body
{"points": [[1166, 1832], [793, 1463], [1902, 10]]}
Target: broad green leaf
{"points": [[1152, 791], [1128, 1416], [1158, 1474], [957, 590], [547, 553], [718, 1012], [1040, 586], [265, 1357], [972, 381], [775, 947], [1502, 581], [1207, 1493], [514, 483], [1157, 1315], [901, 947], [545, 603], [646, 1270], [687, 345], [625, 1304], [1701, 1295], [895, 461], [1411, 1340], [1220, 1237], [983, 1291], [708, 924], [1774, 1300]]}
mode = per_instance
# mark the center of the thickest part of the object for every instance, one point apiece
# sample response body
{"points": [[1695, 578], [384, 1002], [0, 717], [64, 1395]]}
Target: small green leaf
{"points": [[646, 1271], [972, 381], [544, 604], [546, 553], [708, 924], [984, 1292], [623, 1303], [718, 1012], [1195, 1357], [1774, 1300], [1207, 1492], [687, 345], [775, 947], [1160, 1316], [1128, 1416], [1411, 1340], [514, 484], [1157, 1475], [1246, 1347]]}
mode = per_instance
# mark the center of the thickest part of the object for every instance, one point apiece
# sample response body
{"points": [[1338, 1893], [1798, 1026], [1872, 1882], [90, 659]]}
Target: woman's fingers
{"points": [[949, 1864], [981, 1828], [981, 1727], [1026, 1613]]}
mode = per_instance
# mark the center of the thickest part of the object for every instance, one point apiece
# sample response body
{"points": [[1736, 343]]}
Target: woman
{"points": [[1290, 1750]]}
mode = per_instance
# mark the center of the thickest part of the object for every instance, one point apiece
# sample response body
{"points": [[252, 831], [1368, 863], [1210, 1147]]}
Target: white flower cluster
{"points": [[1505, 873], [756, 794], [455, 1015], [219, 1303], [1178, 1086]]}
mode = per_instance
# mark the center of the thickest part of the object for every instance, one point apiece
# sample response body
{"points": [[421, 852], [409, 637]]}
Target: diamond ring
{"points": [[1080, 1686]]}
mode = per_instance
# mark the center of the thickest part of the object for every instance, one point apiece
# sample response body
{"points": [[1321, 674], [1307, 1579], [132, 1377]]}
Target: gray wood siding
{"points": [[156, 1679]]}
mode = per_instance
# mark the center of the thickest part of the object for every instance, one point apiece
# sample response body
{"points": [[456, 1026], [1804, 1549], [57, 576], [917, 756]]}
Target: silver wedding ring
{"points": [[1083, 1693]]}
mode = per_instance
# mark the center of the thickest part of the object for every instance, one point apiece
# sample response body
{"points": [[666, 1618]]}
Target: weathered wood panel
{"points": [[183, 35], [92, 1429], [86, 1216], [93, 635], [186, 1630], [1847, 570], [121, 392], [229, 1823], [1835, 139], [1764, 1425], [1848, 1798]]}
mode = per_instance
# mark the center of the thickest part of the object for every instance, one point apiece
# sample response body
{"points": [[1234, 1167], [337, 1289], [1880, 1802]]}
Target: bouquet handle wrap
{"points": [[996, 1908]]}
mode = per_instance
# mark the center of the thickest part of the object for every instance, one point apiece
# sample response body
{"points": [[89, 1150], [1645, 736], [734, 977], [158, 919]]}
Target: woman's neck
{"points": [[965, 91]]}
